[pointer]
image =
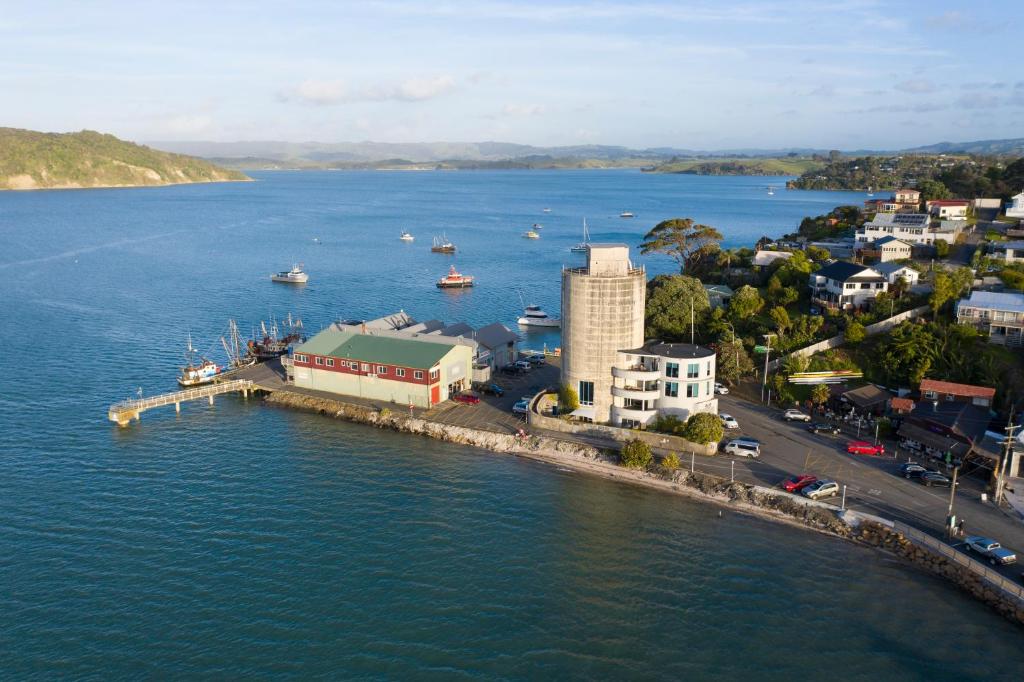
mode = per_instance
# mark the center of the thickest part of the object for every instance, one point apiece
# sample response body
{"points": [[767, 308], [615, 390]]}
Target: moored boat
{"points": [[197, 373], [271, 344], [531, 234], [442, 245], [627, 214], [582, 246], [294, 276], [406, 236], [533, 316], [455, 280]]}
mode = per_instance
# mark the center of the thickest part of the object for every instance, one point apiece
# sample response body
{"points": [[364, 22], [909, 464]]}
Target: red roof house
{"points": [[933, 389]]}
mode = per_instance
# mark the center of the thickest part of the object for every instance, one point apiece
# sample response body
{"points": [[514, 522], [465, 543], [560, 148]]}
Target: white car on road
{"points": [[721, 389], [728, 421], [795, 416], [742, 448]]}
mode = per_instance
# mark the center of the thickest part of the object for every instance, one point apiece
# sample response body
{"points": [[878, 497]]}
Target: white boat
{"points": [[406, 237], [627, 214], [197, 374], [585, 244], [771, 192], [531, 234], [538, 226], [442, 245], [533, 316], [294, 276], [546, 210]]}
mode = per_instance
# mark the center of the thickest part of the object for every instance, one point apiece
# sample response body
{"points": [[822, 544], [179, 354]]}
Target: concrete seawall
{"points": [[770, 503]]}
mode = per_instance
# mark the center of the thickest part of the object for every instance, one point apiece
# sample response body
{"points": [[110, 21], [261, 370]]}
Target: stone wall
{"points": [[612, 433]]}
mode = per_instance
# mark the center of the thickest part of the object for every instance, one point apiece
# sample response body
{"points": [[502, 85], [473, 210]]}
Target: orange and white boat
{"points": [[455, 280]]}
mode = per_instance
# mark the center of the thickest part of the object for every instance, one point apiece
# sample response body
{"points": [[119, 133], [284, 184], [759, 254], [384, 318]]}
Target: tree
{"points": [[669, 298], [733, 361], [703, 427], [781, 318], [855, 332], [787, 296], [682, 240], [817, 253], [670, 461], [898, 287], [745, 303], [942, 291], [941, 248], [568, 399], [636, 454], [820, 394], [933, 189]]}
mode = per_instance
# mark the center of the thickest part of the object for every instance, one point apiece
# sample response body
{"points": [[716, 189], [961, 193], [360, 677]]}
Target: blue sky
{"points": [[704, 75]]}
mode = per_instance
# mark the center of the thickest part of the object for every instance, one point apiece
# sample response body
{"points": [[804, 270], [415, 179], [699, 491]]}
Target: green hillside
{"points": [[739, 166], [33, 160]]}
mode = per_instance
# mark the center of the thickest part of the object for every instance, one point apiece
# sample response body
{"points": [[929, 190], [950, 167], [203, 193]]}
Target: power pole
{"points": [[767, 354], [950, 519], [1004, 459]]}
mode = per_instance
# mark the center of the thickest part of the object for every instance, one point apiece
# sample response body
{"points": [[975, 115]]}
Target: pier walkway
{"points": [[126, 410]]}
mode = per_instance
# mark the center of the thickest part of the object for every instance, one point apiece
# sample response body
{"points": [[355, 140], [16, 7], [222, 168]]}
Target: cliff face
{"points": [[33, 160]]}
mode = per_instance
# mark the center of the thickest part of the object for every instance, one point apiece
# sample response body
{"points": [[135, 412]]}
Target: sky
{"points": [[844, 74]]}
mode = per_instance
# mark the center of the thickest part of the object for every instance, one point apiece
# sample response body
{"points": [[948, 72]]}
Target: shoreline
{"points": [[757, 501], [162, 184]]}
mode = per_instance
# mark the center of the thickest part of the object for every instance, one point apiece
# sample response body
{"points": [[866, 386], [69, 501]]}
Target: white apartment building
{"points": [[911, 228], [662, 378], [1015, 209], [846, 285]]}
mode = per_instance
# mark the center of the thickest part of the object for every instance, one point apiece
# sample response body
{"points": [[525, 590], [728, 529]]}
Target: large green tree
{"points": [[684, 241], [669, 301], [933, 189], [733, 362], [703, 427], [745, 303]]}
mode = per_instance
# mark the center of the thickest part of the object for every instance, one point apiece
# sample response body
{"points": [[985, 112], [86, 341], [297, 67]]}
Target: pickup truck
{"points": [[990, 549]]}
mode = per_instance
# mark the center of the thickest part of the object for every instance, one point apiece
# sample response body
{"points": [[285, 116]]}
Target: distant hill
{"points": [[1011, 147], [34, 160], [739, 166]]}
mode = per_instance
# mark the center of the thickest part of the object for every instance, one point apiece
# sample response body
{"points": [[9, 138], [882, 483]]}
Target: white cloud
{"points": [[320, 92], [327, 92]]}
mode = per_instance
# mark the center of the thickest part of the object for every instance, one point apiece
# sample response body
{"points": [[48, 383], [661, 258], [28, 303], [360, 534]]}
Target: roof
{"points": [[843, 270], [891, 268], [766, 257], [889, 240], [906, 190], [494, 335], [867, 396], [995, 300], [948, 202], [902, 219], [457, 329], [723, 290], [1014, 246], [672, 350], [387, 350], [966, 390], [902, 404], [965, 420]]}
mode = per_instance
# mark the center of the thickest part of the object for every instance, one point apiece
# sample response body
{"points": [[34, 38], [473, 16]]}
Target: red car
{"points": [[862, 447], [795, 484], [467, 398]]}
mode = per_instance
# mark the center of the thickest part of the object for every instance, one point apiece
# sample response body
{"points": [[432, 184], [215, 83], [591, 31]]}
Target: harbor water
{"points": [[240, 540]]}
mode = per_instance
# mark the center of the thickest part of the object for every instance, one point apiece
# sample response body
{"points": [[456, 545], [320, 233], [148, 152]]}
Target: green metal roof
{"points": [[384, 350]]}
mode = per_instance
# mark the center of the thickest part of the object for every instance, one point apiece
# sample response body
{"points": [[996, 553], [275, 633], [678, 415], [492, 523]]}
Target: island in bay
{"points": [[36, 160]]}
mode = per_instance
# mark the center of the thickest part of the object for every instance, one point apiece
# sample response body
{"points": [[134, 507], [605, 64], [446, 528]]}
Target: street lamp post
{"points": [[767, 354]]}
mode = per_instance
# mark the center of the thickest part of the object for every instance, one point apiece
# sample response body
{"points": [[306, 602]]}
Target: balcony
{"points": [[639, 415], [636, 392], [636, 373]]}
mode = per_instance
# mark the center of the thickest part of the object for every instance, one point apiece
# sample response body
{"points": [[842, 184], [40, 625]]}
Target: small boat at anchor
{"points": [[442, 245], [627, 214], [294, 276], [531, 234], [197, 373], [533, 316], [406, 236], [546, 210], [455, 280], [538, 226], [582, 246]]}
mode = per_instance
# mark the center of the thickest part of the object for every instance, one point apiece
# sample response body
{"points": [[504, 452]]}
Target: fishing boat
{"points": [[531, 234], [406, 236], [237, 352], [294, 276], [585, 244], [442, 245], [197, 374], [455, 280], [272, 343], [870, 193], [533, 316], [627, 214]]}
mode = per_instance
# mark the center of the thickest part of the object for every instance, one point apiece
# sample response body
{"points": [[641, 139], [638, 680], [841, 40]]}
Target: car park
{"points": [[934, 478], [535, 359], [742, 448], [728, 421], [795, 416], [466, 398], [862, 447], [522, 406], [795, 484], [823, 427], [820, 489], [990, 549], [720, 389]]}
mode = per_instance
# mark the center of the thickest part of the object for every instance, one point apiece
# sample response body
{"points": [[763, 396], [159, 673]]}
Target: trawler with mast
{"points": [[272, 343]]}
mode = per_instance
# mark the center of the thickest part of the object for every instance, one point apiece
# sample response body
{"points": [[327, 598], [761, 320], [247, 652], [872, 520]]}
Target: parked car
{"points": [[467, 398], [742, 448], [728, 421], [862, 447], [490, 389], [535, 359], [792, 415], [523, 365], [930, 478], [795, 484], [512, 369], [822, 427], [522, 406], [820, 489], [911, 470], [990, 549], [720, 389]]}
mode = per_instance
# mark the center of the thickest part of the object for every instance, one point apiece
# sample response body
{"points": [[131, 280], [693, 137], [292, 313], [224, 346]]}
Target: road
{"points": [[873, 484]]}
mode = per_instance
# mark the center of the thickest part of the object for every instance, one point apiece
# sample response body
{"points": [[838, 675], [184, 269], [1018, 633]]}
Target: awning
{"points": [[584, 412]]}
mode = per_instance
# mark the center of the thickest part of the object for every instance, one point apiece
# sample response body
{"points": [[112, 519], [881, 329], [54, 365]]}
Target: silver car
{"points": [[990, 549], [795, 416], [742, 448], [820, 489]]}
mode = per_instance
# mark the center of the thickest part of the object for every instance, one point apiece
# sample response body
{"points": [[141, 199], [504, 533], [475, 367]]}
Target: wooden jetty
{"points": [[126, 410]]}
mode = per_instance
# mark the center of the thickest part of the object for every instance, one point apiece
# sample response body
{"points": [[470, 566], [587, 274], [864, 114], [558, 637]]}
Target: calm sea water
{"points": [[244, 540]]}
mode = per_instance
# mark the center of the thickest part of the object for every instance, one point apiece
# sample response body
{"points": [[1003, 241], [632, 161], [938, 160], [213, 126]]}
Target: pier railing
{"points": [[126, 410]]}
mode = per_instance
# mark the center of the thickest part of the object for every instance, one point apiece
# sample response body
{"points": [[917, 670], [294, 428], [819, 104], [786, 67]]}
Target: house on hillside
{"points": [[998, 314], [1011, 252], [907, 199], [764, 257], [1015, 209], [891, 248], [895, 271], [948, 209], [718, 294], [947, 391], [911, 228], [846, 285]]}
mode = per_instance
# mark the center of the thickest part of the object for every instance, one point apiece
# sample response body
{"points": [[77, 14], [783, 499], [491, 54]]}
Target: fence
{"points": [[934, 544], [836, 341]]}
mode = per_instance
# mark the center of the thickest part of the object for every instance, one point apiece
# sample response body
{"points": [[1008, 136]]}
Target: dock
{"points": [[126, 410]]}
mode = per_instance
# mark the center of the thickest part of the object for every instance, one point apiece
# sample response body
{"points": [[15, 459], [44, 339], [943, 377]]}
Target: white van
{"points": [[742, 448]]}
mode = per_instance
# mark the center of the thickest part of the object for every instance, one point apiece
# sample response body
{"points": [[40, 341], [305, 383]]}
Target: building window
{"points": [[707, 388], [354, 366], [301, 358], [930, 394], [365, 367], [435, 374], [708, 373], [399, 372], [692, 370], [879, 285], [586, 393], [672, 389], [692, 390], [319, 360], [418, 374], [381, 369], [330, 362], [672, 369], [849, 285], [949, 397], [865, 285]]}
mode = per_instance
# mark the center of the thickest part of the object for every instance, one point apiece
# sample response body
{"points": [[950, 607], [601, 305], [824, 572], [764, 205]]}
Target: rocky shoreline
{"points": [[746, 498]]}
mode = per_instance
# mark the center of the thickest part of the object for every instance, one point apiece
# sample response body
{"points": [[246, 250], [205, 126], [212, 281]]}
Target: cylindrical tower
{"points": [[602, 313]]}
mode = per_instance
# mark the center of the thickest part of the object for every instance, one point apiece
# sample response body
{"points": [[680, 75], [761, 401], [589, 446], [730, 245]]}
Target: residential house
{"points": [[895, 271], [662, 379], [948, 230], [718, 294], [1011, 252], [846, 285], [933, 389], [891, 248], [998, 314], [908, 199], [948, 209], [911, 228], [1015, 209], [764, 257]]}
